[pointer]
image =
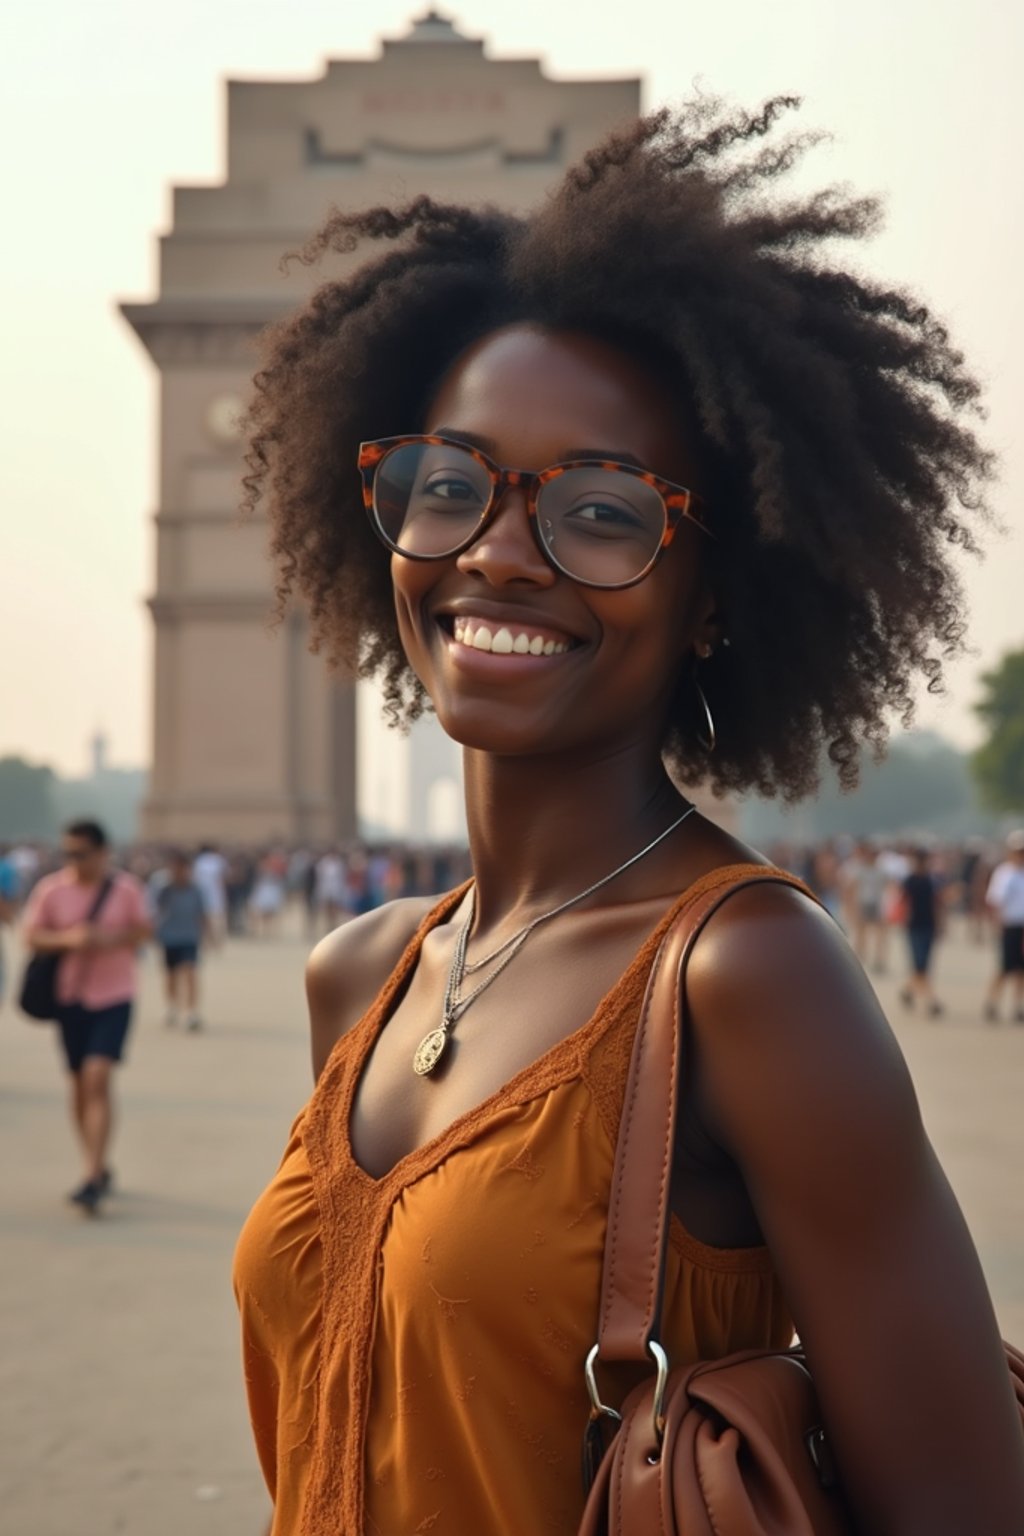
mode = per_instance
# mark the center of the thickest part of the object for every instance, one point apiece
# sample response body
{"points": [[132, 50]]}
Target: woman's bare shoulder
{"points": [[348, 968]]}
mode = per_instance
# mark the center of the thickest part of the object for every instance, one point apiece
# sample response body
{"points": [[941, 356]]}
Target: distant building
{"points": [[251, 739]]}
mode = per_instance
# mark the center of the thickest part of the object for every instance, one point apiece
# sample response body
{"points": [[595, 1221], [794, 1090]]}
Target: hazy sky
{"points": [[104, 104]]}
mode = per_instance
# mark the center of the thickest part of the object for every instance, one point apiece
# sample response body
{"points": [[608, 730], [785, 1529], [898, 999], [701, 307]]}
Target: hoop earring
{"points": [[708, 741]]}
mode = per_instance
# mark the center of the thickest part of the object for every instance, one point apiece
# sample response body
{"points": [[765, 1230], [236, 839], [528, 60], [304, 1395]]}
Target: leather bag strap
{"points": [[101, 896], [638, 1211]]}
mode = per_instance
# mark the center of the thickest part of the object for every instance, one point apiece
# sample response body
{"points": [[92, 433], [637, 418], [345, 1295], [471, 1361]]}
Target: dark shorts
{"points": [[180, 954], [921, 941], [1013, 948], [94, 1032]]}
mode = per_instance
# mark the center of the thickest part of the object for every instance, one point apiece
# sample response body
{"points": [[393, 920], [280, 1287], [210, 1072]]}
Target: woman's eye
{"points": [[448, 487], [606, 516]]}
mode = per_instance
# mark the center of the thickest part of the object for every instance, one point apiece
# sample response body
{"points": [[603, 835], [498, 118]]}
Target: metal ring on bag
{"points": [[661, 1360], [596, 1406]]}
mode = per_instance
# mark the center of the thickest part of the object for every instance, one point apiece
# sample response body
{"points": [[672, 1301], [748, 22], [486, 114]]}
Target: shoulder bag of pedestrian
{"points": [[38, 996]]}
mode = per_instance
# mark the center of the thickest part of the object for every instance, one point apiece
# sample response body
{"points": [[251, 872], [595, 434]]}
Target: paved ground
{"points": [[121, 1406]]}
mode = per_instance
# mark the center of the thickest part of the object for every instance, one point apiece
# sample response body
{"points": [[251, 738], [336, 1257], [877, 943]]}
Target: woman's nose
{"points": [[506, 550]]}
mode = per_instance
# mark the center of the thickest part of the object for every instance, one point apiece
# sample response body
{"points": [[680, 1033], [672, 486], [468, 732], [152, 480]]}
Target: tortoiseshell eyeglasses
{"points": [[599, 521]]}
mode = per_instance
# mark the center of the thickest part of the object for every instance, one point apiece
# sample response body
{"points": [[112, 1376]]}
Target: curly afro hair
{"points": [[840, 465]]}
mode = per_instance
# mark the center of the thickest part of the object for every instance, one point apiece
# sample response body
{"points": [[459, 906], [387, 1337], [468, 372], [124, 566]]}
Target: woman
{"points": [[747, 560]]}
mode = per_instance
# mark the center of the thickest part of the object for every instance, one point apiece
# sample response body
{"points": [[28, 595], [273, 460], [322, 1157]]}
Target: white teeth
{"points": [[503, 642]]}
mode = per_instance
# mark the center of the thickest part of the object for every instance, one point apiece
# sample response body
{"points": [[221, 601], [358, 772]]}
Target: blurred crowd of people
{"points": [[247, 890], [199, 897], [880, 890], [895, 899]]}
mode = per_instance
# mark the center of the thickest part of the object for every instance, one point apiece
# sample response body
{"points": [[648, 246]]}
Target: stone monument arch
{"points": [[252, 740]]}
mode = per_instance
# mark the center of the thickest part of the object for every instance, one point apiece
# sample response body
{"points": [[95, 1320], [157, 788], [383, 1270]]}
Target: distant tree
{"points": [[998, 765], [26, 800]]}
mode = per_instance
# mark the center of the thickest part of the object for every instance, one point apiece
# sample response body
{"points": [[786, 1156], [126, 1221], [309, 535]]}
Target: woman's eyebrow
{"points": [[619, 455], [471, 439], [487, 445]]}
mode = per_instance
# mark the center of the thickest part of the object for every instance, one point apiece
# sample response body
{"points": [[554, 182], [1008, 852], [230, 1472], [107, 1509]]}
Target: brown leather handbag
{"points": [[730, 1447]]}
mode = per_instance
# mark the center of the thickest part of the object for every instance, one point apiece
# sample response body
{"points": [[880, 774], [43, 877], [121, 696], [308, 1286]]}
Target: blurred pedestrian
{"points": [[8, 904], [922, 921], [331, 890], [979, 873], [210, 874], [863, 882], [268, 893], [28, 863], [95, 917], [1005, 899], [238, 884], [181, 926], [825, 880]]}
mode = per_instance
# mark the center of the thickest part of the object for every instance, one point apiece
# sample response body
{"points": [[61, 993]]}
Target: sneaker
{"points": [[1018, 1017], [88, 1196], [935, 1010], [195, 1024], [106, 1181]]}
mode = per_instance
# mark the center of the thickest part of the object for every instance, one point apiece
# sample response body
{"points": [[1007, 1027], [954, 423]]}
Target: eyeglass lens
{"points": [[600, 525]]}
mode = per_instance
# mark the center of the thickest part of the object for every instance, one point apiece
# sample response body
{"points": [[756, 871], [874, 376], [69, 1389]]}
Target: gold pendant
{"points": [[429, 1051]]}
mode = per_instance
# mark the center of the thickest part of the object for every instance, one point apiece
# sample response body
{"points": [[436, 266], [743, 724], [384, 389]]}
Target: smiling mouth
{"points": [[506, 639]]}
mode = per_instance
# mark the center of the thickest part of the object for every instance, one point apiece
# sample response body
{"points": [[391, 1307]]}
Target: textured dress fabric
{"points": [[414, 1344]]}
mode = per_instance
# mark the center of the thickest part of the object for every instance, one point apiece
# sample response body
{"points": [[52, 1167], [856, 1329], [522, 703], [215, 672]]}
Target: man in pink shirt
{"points": [[96, 981]]}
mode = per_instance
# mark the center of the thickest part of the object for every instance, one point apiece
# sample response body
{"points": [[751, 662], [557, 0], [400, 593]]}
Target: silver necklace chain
{"points": [[432, 1046]]}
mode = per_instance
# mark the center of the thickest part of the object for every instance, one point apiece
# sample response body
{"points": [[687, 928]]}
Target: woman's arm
{"points": [[807, 1090]]}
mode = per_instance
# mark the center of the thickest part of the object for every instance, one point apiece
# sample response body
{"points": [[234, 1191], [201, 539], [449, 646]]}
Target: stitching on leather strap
{"points": [[626, 1133], [712, 1521]]}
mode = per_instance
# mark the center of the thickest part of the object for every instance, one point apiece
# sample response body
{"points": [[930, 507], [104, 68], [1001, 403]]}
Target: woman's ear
{"points": [[711, 632]]}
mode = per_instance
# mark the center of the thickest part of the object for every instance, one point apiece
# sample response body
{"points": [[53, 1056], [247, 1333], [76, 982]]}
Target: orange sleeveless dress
{"points": [[414, 1345]]}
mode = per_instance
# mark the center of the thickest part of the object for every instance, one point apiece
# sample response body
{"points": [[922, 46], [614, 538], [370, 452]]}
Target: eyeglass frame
{"points": [[678, 501]]}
